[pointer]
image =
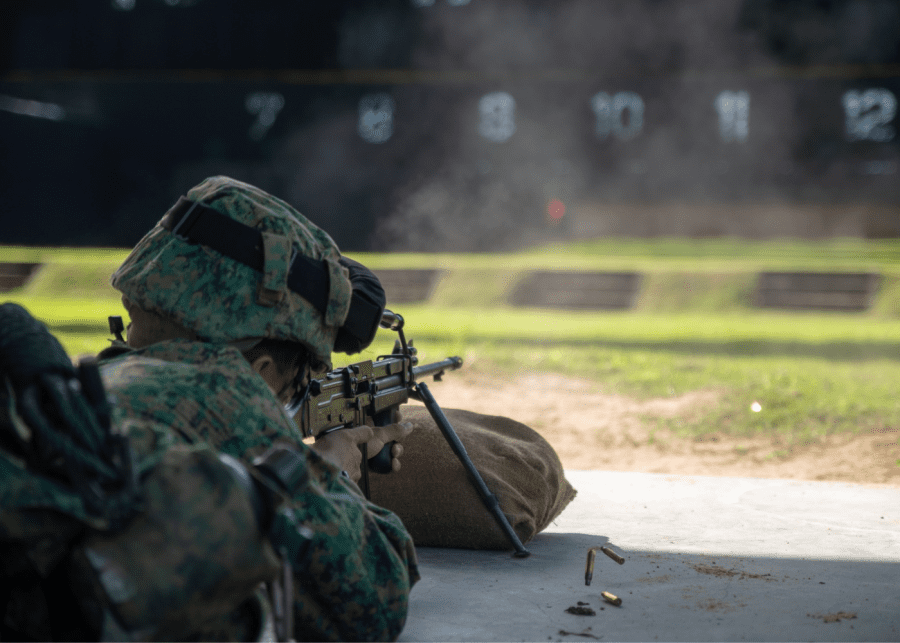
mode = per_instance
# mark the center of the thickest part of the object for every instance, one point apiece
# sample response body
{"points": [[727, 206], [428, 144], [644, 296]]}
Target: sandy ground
{"points": [[592, 430]]}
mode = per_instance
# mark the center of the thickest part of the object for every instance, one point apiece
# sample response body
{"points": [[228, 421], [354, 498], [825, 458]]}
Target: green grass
{"points": [[812, 374], [664, 255], [693, 327]]}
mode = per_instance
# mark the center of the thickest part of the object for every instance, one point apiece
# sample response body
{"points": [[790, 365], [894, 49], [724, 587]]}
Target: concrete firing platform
{"points": [[707, 559]]}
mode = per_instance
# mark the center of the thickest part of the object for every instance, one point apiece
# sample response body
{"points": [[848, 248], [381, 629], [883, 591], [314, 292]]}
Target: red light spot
{"points": [[556, 209]]}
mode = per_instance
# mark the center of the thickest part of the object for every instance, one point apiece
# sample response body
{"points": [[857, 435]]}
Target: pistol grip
{"points": [[381, 461]]}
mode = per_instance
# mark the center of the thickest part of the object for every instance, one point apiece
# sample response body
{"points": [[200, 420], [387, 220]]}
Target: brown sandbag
{"points": [[439, 505]]}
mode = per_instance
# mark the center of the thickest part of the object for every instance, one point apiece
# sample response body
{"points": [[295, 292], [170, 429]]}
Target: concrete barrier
{"points": [[817, 290], [577, 290], [405, 286], [16, 274]]}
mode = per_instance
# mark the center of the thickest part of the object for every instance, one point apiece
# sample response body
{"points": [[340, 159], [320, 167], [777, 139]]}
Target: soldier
{"points": [[235, 298], [124, 533]]}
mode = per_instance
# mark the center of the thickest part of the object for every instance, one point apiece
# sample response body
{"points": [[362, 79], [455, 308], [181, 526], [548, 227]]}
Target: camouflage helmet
{"points": [[241, 265]]}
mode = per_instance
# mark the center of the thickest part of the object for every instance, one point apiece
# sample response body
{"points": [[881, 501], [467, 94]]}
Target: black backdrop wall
{"points": [[445, 124]]}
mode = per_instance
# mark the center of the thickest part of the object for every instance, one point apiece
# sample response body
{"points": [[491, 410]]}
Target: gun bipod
{"points": [[488, 499]]}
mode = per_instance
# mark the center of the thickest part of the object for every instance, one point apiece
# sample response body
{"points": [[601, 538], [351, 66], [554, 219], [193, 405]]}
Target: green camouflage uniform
{"points": [[191, 555], [193, 550], [354, 562], [157, 555]]}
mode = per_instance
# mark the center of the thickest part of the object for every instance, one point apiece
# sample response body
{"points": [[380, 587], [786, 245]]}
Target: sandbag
{"points": [[438, 504]]}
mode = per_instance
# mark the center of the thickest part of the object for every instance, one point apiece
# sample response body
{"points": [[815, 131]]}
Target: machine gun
{"points": [[371, 393]]}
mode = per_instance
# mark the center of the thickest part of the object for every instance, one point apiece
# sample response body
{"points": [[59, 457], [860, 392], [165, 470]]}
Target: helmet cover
{"points": [[222, 300]]}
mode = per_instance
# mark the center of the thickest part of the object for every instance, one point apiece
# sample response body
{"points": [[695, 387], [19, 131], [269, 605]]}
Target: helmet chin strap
{"points": [[298, 400], [301, 390]]}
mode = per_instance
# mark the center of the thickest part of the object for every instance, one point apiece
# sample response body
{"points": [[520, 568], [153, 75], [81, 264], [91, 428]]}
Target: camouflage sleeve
{"points": [[192, 556], [193, 552], [354, 562]]}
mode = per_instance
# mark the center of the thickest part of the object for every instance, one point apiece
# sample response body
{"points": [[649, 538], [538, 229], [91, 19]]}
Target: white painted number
{"points": [[611, 115], [734, 114], [266, 107], [376, 118], [498, 116], [868, 114]]}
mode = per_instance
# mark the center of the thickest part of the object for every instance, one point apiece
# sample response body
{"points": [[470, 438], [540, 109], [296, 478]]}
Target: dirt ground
{"points": [[592, 430]]}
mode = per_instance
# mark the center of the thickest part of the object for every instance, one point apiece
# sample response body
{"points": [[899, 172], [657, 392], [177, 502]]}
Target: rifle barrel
{"points": [[436, 368], [451, 363]]}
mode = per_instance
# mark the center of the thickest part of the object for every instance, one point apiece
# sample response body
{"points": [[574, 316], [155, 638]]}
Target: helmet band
{"points": [[194, 222]]}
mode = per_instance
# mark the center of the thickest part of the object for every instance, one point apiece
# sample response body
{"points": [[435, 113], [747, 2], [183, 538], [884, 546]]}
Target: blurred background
{"points": [[680, 216], [455, 125]]}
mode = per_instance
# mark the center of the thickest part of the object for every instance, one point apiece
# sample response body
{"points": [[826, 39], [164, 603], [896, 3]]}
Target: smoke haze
{"points": [[436, 125]]}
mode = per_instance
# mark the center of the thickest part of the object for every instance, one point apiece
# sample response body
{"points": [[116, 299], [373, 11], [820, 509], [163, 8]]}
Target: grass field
{"points": [[693, 327]]}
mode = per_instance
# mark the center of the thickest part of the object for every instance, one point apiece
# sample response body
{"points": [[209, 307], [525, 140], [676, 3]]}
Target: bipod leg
{"points": [[489, 499]]}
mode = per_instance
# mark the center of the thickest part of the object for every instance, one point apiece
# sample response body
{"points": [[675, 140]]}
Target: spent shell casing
{"points": [[609, 552], [611, 598], [589, 567]]}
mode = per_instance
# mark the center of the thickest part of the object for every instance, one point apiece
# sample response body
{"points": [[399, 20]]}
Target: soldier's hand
{"points": [[390, 433], [341, 448]]}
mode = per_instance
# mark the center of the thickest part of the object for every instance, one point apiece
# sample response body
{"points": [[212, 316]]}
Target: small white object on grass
{"points": [[756, 407]]}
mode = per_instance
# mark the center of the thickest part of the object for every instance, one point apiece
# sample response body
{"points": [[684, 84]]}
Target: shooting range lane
{"points": [[706, 559]]}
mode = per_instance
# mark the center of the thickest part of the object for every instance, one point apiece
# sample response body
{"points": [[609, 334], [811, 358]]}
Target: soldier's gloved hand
{"points": [[49, 396]]}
